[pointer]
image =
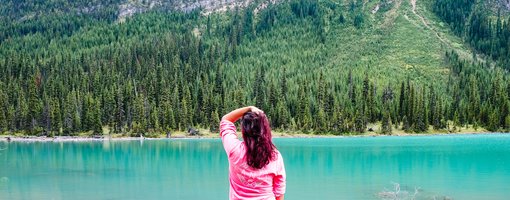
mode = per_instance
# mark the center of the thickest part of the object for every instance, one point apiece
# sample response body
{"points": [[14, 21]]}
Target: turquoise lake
{"points": [[449, 166]]}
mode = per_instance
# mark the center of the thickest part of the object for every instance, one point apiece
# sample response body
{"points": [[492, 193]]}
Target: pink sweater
{"points": [[247, 182]]}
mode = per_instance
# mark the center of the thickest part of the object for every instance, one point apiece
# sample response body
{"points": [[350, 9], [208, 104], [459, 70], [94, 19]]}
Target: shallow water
{"points": [[454, 167]]}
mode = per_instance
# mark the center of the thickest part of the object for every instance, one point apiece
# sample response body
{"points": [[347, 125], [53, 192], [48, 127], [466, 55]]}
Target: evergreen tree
{"points": [[161, 76], [320, 124], [386, 123], [119, 112], [3, 110], [283, 114], [402, 101], [507, 123], [186, 109], [284, 88], [218, 88], [259, 88], [493, 123], [359, 123], [10, 116], [55, 115], [215, 120], [46, 116], [22, 113], [34, 105], [96, 125], [307, 115]]}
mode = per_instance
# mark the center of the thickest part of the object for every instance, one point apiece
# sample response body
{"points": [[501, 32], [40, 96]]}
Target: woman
{"points": [[256, 169]]}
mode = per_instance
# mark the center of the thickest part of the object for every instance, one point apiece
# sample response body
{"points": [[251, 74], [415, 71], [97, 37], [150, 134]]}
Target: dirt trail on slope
{"points": [[392, 14], [413, 3], [445, 41]]}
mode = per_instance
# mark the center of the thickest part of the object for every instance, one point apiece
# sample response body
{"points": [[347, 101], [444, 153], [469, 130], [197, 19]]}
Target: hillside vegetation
{"points": [[326, 66]]}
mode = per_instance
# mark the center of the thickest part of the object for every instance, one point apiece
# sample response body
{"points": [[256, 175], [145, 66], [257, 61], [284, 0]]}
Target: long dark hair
{"points": [[260, 149]]}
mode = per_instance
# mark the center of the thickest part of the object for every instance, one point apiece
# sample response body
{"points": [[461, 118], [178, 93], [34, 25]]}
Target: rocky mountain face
{"points": [[25, 10], [505, 4], [131, 7]]}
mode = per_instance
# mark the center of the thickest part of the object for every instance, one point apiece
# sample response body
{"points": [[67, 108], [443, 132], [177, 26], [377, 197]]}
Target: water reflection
{"points": [[360, 168], [462, 167], [115, 170]]}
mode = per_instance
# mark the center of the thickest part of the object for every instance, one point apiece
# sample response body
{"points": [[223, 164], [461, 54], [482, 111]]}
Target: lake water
{"points": [[454, 167]]}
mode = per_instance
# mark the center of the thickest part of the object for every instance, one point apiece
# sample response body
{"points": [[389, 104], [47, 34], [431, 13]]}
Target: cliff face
{"points": [[505, 4], [26, 10], [498, 5], [131, 7]]}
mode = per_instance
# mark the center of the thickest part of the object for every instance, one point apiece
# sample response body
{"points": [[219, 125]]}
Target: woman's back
{"points": [[247, 182]]}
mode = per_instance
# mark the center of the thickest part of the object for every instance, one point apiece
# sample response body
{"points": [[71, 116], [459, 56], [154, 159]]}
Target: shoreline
{"points": [[14, 138]]}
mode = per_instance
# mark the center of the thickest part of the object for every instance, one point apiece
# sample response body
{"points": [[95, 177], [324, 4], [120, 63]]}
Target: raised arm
{"points": [[228, 130], [238, 113]]}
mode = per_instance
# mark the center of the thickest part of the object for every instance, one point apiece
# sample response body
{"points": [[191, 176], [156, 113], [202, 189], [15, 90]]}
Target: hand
{"points": [[256, 110]]}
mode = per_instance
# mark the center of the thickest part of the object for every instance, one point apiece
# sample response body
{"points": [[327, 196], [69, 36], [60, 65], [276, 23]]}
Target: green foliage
{"points": [[386, 124], [489, 35], [311, 65], [507, 123]]}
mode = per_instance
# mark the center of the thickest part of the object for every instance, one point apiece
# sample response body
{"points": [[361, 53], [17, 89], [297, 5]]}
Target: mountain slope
{"points": [[320, 66]]}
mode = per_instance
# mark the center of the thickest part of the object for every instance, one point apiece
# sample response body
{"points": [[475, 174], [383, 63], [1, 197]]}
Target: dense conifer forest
{"points": [[487, 33], [66, 70]]}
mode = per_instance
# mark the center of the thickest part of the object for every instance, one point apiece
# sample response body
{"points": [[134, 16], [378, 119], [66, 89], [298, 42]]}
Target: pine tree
{"points": [[218, 88], [209, 26], [493, 124], [46, 116], [283, 114], [359, 19], [26, 121], [10, 116], [249, 29], [283, 84], [215, 121], [300, 110], [108, 106], [402, 101], [507, 123], [55, 115], [139, 118], [176, 107], [87, 114], [307, 115], [352, 95], [420, 124], [34, 105], [371, 104], [154, 117], [320, 124], [411, 103], [186, 109], [67, 125], [406, 126], [365, 95], [359, 123], [3, 112], [119, 111], [341, 19], [96, 125], [321, 90], [77, 121], [259, 88], [386, 123]]}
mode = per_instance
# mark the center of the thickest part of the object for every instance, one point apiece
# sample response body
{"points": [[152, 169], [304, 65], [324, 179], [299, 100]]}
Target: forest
{"points": [[160, 71], [489, 34]]}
